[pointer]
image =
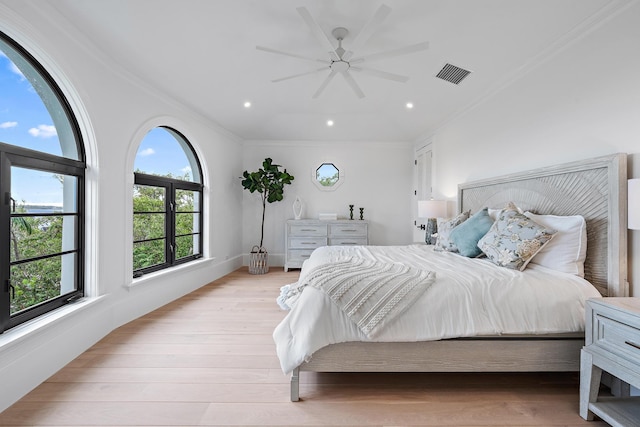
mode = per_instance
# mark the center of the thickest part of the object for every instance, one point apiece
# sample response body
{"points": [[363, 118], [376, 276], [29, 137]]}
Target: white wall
{"points": [[583, 102], [116, 110], [377, 176]]}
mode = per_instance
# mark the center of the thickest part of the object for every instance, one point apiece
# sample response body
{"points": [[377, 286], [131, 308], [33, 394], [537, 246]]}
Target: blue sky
{"points": [[159, 153], [25, 122]]}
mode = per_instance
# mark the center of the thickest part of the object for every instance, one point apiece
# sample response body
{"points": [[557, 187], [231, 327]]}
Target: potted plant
{"points": [[269, 181]]}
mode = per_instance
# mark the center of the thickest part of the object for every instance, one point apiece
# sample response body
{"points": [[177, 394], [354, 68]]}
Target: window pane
{"points": [[187, 223], [148, 226], [35, 118], [148, 254], [187, 246], [37, 236], [164, 152], [147, 198], [185, 200], [35, 191], [39, 281]]}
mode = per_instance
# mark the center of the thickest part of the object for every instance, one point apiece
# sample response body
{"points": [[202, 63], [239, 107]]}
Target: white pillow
{"points": [[493, 213], [567, 250]]}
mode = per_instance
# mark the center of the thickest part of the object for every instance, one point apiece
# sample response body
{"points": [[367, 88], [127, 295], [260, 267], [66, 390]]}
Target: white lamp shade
{"points": [[432, 208], [633, 200]]}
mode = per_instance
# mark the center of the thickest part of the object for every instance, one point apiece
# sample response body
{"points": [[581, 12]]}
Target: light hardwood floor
{"points": [[208, 359]]}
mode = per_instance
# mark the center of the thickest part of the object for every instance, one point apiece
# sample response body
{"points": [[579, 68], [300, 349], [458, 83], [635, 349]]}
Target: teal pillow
{"points": [[466, 235]]}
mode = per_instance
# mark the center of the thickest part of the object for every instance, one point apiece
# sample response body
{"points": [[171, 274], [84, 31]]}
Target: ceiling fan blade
{"points": [[367, 31], [391, 53], [294, 55], [318, 33], [381, 74], [324, 84], [349, 78], [299, 75]]}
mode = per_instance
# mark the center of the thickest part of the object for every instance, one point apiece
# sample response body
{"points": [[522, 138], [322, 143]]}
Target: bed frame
{"points": [[595, 189]]}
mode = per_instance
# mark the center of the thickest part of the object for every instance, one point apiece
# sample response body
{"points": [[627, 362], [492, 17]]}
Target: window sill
{"points": [[43, 323], [168, 272]]}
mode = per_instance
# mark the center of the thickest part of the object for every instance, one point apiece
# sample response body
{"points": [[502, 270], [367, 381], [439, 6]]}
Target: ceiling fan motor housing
{"points": [[340, 33]]}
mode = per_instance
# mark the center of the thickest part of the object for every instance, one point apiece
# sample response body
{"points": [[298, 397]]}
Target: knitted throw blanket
{"points": [[370, 293]]}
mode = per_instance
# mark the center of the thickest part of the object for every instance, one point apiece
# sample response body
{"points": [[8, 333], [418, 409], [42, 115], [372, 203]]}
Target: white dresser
{"points": [[302, 236], [612, 328]]}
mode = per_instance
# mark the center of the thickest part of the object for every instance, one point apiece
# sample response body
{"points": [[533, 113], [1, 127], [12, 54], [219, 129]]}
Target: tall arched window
{"points": [[167, 202], [42, 168]]}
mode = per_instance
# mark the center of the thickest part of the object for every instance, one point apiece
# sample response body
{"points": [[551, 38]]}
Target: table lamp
{"points": [[431, 210]]}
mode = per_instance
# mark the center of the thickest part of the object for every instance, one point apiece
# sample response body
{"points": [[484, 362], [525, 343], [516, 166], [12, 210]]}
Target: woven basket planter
{"points": [[258, 260]]}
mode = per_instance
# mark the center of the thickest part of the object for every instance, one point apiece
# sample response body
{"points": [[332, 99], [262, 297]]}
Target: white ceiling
{"points": [[203, 52]]}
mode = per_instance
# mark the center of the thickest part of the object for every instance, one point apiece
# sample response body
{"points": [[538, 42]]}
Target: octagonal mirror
{"points": [[327, 176]]}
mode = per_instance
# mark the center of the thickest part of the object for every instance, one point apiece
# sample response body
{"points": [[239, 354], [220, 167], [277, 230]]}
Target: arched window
{"points": [[167, 202], [42, 168]]}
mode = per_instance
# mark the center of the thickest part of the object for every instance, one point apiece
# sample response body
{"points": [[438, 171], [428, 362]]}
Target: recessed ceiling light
{"points": [[409, 105], [329, 122], [247, 104]]}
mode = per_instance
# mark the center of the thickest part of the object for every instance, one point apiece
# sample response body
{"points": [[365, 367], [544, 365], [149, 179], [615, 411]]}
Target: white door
{"points": [[423, 187]]}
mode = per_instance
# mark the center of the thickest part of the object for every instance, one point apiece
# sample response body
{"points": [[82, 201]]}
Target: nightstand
{"points": [[612, 344]]}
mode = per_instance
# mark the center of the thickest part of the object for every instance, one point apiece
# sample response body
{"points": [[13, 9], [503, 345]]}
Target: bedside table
{"points": [[612, 344]]}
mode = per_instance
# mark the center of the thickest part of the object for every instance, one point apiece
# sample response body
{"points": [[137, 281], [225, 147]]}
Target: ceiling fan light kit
{"points": [[340, 60]]}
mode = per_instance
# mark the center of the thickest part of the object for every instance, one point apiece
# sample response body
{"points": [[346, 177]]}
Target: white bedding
{"points": [[469, 297]]}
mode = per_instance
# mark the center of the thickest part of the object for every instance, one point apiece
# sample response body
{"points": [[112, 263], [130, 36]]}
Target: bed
{"points": [[459, 338]]}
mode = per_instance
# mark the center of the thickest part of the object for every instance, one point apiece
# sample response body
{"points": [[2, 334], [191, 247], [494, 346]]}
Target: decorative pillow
{"points": [[443, 242], [494, 213], [466, 235], [568, 249], [514, 239]]}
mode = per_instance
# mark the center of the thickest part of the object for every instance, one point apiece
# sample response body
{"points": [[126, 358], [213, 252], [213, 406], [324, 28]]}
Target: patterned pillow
{"points": [[514, 239], [443, 241], [495, 213]]}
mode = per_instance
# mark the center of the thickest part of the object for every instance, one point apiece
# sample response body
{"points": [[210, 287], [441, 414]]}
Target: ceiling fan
{"points": [[342, 61]]}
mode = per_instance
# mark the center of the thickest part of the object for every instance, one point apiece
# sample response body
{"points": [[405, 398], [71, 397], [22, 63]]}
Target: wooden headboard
{"points": [[594, 188]]}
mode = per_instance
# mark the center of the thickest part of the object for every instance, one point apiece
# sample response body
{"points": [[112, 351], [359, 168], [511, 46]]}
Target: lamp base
{"points": [[432, 229]]}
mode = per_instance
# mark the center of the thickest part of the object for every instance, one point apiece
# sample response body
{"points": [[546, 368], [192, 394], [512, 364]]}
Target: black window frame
{"points": [[14, 155], [171, 185]]}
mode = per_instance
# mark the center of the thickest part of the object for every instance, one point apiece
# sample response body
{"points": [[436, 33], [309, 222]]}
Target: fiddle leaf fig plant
{"points": [[269, 181]]}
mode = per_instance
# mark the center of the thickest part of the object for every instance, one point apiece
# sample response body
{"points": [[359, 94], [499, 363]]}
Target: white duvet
{"points": [[469, 297]]}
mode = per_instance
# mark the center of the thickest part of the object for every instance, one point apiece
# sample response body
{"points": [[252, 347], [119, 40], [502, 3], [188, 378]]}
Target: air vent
{"points": [[452, 74]]}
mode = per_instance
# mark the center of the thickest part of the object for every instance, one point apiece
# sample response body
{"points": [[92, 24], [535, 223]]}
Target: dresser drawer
{"points": [[307, 242], [298, 256], [307, 230], [617, 337], [344, 230], [347, 241]]}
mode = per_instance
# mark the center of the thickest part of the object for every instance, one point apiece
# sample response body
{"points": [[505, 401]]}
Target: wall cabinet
{"points": [[302, 236]]}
